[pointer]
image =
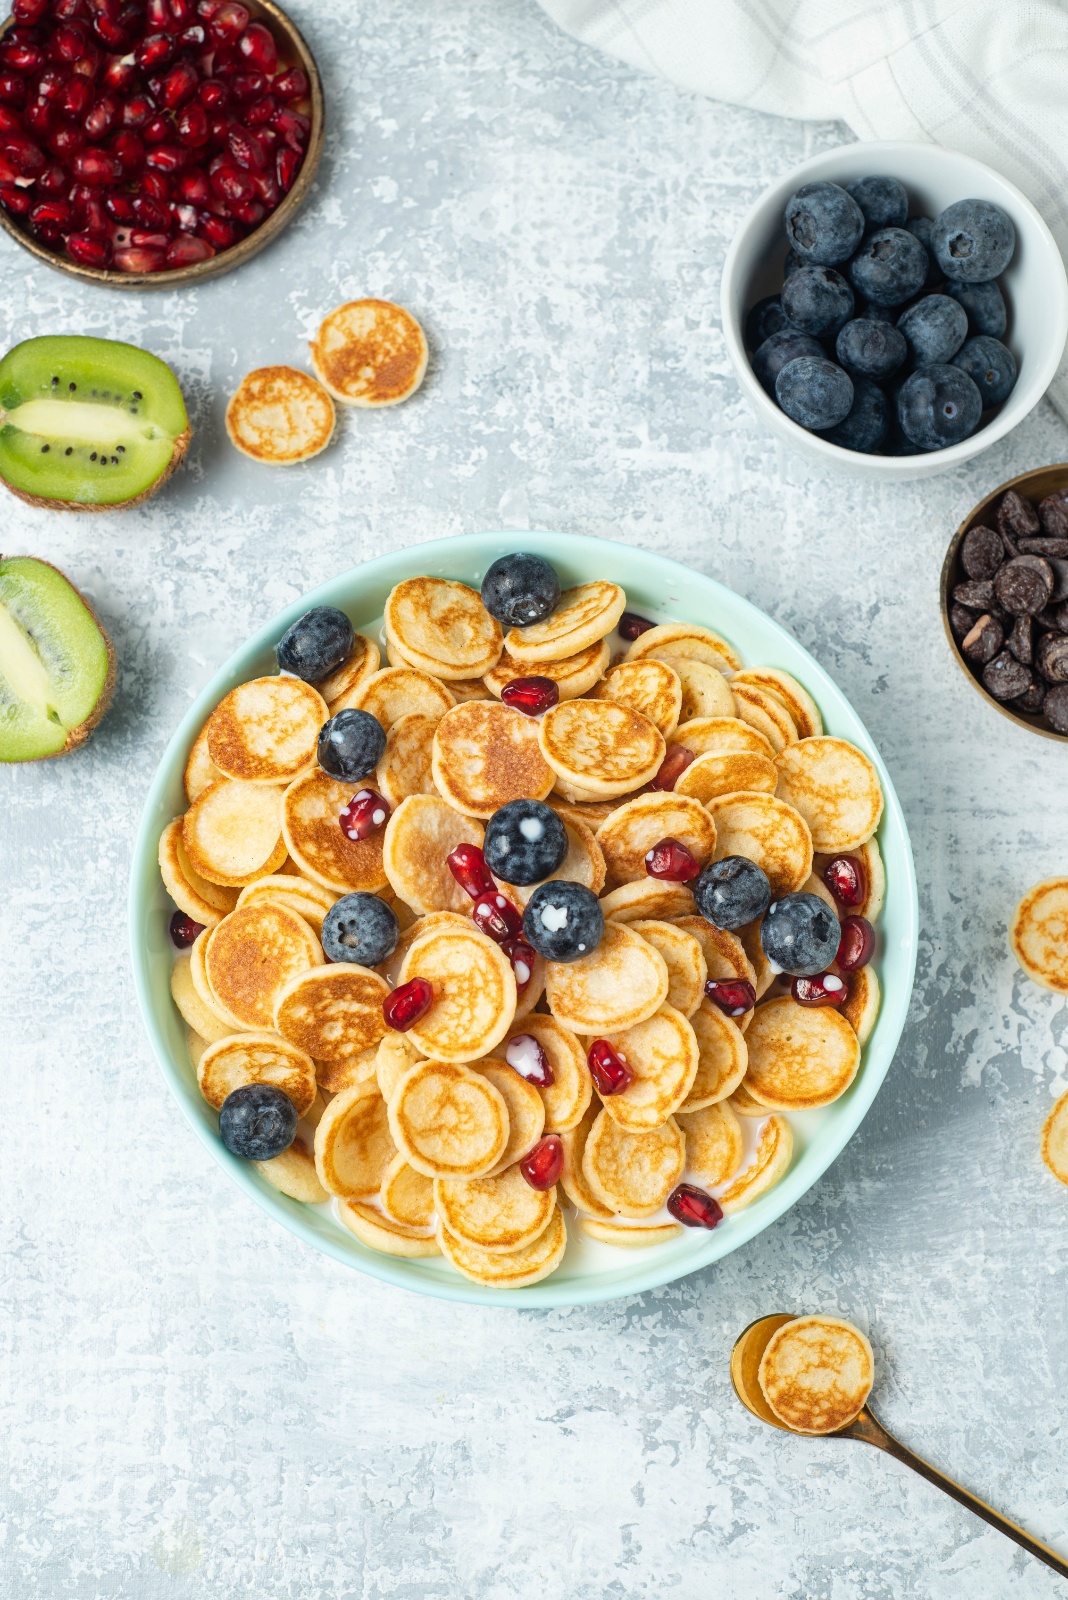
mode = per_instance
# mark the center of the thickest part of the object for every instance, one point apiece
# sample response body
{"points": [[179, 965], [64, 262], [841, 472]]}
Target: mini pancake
{"points": [[447, 1121], [309, 900], [767, 830], [485, 755], [443, 628], [197, 1013], [280, 415], [535, 988], [464, 689], [835, 788], [196, 1047], [628, 1238], [650, 687], [591, 812], [251, 956], [405, 767], [526, 1110], [722, 772], [312, 833], [333, 1012], [815, 885], [395, 1056], [573, 794], [651, 897], [266, 730], [200, 770], [686, 639], [763, 976], [381, 1233], [705, 691], [334, 1076], [418, 838], [396, 692], [816, 1374], [232, 833], [498, 1213], [717, 735], [604, 748], [714, 1145], [370, 353], [861, 1009], [362, 662], [256, 1058], [474, 993], [686, 964], [637, 825], [723, 1057], [572, 1179], [724, 952], [584, 863], [771, 1161], [198, 974], [567, 1097], [871, 862], [353, 1143], [574, 675], [583, 616], [1055, 1140], [799, 1057], [205, 902], [633, 1173], [293, 1173], [742, 1104], [797, 700], [662, 1053], [407, 1196], [391, 967], [1038, 934], [518, 1269], [621, 983], [766, 714]]}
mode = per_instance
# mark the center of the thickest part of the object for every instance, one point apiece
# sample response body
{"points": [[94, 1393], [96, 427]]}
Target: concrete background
{"points": [[193, 1403]]}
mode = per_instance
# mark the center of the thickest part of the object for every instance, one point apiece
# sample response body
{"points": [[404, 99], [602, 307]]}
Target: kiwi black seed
{"points": [[88, 424]]}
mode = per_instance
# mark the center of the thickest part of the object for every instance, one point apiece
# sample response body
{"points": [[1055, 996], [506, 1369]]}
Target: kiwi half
{"points": [[88, 424], [57, 666]]}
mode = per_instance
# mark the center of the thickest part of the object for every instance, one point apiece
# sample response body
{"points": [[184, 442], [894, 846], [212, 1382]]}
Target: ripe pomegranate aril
{"points": [[133, 260], [93, 217], [142, 239], [291, 85], [227, 24], [121, 75], [89, 249], [179, 85], [609, 1071], [525, 1055], [826, 990], [9, 173], [231, 184], [102, 116], [69, 43], [12, 88], [11, 122], [96, 167], [187, 217], [184, 931], [532, 695], [292, 127], [138, 110], [154, 186], [631, 626], [66, 10], [219, 232], [53, 180], [38, 117], [248, 85], [257, 46], [167, 157], [214, 95], [250, 212], [193, 38], [28, 12], [261, 111], [365, 813], [22, 57], [468, 866], [193, 186], [17, 201], [846, 879], [522, 957], [157, 130], [154, 51], [495, 916], [51, 213], [286, 166], [193, 127], [27, 157], [693, 1207], [110, 34], [543, 1164], [130, 151], [120, 208], [150, 213], [187, 251], [857, 944], [672, 767], [66, 142], [403, 1008], [267, 189], [671, 860], [733, 996], [51, 83], [246, 149], [75, 97]]}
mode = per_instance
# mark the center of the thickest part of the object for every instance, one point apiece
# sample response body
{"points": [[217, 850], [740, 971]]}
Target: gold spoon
{"points": [[748, 1349]]}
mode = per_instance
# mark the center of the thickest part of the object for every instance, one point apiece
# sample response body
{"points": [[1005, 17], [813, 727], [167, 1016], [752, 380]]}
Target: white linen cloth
{"points": [[988, 77]]}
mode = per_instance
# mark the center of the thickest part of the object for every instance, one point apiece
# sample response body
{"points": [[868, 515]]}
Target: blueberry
{"points": [[814, 392], [777, 350], [823, 224], [991, 367], [868, 349], [935, 327], [890, 267], [884, 201], [257, 1121], [791, 264], [868, 311], [800, 935], [360, 927], [817, 300], [973, 241], [866, 424], [520, 589], [938, 406], [985, 305], [732, 892], [525, 842], [921, 227], [764, 319], [563, 921], [351, 745], [316, 644]]}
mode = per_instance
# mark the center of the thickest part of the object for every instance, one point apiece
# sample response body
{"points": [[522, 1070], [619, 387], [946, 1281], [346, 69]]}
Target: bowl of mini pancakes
{"points": [[681, 711]]}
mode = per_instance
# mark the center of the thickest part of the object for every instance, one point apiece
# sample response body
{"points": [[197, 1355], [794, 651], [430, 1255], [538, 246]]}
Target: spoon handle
{"points": [[871, 1431]]}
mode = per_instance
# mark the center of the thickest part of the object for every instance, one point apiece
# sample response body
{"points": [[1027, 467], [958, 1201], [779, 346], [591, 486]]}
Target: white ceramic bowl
{"points": [[1036, 290]]}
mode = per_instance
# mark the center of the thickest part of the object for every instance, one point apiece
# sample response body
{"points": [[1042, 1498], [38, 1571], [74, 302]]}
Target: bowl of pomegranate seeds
{"points": [[150, 143]]}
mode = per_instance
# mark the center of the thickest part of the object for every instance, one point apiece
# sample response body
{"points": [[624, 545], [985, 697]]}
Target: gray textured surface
{"points": [[195, 1404]]}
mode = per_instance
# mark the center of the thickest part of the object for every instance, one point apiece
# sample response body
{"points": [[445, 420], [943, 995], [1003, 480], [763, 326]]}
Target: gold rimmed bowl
{"points": [[292, 52]]}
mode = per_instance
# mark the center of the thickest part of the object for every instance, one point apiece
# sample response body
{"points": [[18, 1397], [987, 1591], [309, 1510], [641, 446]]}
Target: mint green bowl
{"points": [[663, 591]]}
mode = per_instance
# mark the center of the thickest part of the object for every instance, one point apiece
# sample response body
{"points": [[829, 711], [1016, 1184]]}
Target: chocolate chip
{"points": [[1031, 702], [1005, 678], [1017, 517], [1023, 585], [981, 552], [983, 641], [1060, 579], [960, 621], [1056, 708], [1053, 515], [1021, 640], [1043, 547], [1051, 657], [978, 594]]}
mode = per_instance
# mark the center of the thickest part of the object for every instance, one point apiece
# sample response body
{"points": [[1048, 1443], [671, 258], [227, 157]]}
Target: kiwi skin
{"points": [[49, 503], [78, 736]]}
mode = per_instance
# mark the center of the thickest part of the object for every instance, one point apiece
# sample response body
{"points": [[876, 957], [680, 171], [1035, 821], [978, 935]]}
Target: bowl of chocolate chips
{"points": [[1005, 599]]}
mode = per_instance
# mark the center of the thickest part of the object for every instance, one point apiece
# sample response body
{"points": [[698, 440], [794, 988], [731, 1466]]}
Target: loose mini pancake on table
{"points": [[1038, 934], [370, 353], [280, 416]]}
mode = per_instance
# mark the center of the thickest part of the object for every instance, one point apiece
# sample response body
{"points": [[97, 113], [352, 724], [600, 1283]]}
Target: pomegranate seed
{"points": [[22, 57], [92, 215], [121, 75], [257, 46], [403, 1008], [112, 34], [522, 957], [96, 167], [120, 207], [267, 189], [75, 97], [214, 95], [249, 85], [542, 1165], [219, 232], [129, 260], [150, 213], [38, 118], [184, 931], [526, 1056], [261, 111], [167, 157], [496, 917], [857, 945], [193, 186], [66, 10], [11, 122], [232, 185], [608, 1069], [826, 990], [17, 201], [365, 813], [51, 213], [733, 996], [186, 252], [693, 1207], [291, 85], [130, 151], [631, 626], [89, 249], [53, 180], [142, 239], [28, 11], [138, 110], [468, 866], [250, 212], [157, 130], [66, 141], [179, 85], [12, 88], [287, 165], [102, 116], [227, 23], [292, 127], [50, 83], [246, 149], [531, 696], [28, 158], [69, 43], [187, 217], [169, 16], [671, 860], [206, 9], [846, 879], [193, 38], [154, 51], [672, 767], [9, 174], [193, 127], [154, 186]]}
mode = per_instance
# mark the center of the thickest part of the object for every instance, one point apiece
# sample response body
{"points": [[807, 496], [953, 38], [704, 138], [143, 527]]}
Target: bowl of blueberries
{"points": [[892, 309]]}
